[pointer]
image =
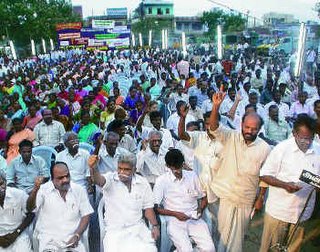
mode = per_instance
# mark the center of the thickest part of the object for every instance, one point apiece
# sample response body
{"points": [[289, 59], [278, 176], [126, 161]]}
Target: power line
{"points": [[231, 9]]}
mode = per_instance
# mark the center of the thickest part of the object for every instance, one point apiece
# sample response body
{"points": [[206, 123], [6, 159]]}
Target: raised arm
{"points": [[141, 119], [97, 178], [31, 202], [217, 99], [233, 109], [183, 135]]}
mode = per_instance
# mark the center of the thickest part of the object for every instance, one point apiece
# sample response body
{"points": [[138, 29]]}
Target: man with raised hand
{"points": [[236, 181], [127, 195], [63, 211]]}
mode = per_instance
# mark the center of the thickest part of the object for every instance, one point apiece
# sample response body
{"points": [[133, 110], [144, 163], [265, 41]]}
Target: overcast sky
{"points": [[301, 9]]}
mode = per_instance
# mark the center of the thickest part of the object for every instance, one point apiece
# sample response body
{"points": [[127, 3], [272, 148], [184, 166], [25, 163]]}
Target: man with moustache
{"points": [[150, 162], [63, 210], [49, 132], [288, 195], [128, 197], [77, 160], [236, 180]]}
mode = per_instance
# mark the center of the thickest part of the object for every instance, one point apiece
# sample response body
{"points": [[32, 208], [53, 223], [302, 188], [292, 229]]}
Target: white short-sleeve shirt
{"points": [[57, 218], [124, 208], [178, 195], [78, 165], [286, 162], [14, 210]]}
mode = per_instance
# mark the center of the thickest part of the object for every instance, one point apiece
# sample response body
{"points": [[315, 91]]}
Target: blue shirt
{"points": [[22, 175]]}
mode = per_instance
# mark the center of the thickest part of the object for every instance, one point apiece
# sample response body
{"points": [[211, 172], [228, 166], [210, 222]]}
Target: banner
{"points": [[115, 37], [69, 26], [105, 24]]}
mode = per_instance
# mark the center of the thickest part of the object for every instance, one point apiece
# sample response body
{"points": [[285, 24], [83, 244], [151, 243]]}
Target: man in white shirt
{"points": [[287, 193], [283, 107], [109, 153], [183, 67], [176, 195], [125, 141], [63, 211], [237, 179], [177, 96], [77, 160], [194, 110], [48, 132], [127, 195], [300, 106], [173, 120], [150, 161], [14, 218], [156, 120]]}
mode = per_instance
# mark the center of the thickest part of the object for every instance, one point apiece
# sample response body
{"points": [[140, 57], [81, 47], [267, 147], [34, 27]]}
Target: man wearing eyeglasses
{"points": [[290, 201], [77, 160]]}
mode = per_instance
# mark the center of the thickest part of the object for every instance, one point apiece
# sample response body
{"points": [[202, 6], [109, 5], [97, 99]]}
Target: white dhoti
{"points": [[233, 221], [22, 243], [181, 233], [134, 238]]}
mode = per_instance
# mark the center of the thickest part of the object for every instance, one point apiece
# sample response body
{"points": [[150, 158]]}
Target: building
{"points": [[159, 9], [274, 18], [77, 9], [119, 15], [189, 25]]}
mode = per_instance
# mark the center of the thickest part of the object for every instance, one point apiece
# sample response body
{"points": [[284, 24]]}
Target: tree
{"points": [[156, 25], [231, 22], [317, 8], [25, 19]]}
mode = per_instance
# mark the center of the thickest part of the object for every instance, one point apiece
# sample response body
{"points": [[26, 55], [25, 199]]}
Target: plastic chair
{"points": [[47, 153], [86, 146]]}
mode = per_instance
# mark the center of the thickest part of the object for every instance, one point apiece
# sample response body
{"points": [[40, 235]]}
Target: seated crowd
{"points": [[167, 153]]}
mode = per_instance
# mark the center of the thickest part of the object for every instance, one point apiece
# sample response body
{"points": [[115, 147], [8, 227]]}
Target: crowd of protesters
{"points": [[157, 134]]}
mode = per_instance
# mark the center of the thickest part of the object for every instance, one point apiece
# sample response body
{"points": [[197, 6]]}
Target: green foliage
{"points": [[24, 19], [156, 25], [230, 22], [317, 8]]}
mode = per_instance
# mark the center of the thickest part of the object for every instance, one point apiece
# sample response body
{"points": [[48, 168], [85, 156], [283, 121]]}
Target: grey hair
{"points": [[3, 175], [155, 133], [67, 135], [128, 158], [107, 135]]}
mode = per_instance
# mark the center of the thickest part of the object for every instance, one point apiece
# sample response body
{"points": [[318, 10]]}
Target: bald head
{"points": [[251, 125]]}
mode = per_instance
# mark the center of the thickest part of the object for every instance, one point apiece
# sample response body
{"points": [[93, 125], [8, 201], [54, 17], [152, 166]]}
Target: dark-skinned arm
{"points": [[96, 177], [182, 134], [290, 187], [73, 242], [141, 120], [202, 204], [180, 216], [8, 239], [151, 217]]}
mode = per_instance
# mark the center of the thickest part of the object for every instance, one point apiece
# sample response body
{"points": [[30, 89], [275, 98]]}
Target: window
{"points": [[197, 26], [167, 11], [159, 11], [149, 10]]}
